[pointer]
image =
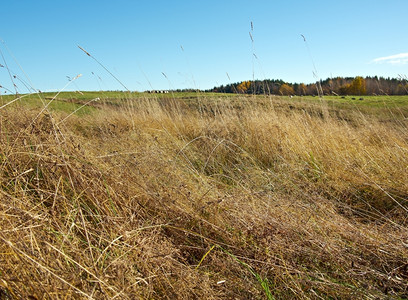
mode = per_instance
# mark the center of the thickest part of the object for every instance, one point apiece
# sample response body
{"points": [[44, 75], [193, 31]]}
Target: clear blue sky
{"points": [[138, 40]]}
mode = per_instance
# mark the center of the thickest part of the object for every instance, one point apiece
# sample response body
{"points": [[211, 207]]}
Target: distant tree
{"points": [[372, 85], [286, 90], [302, 89], [401, 89], [356, 87], [344, 90], [311, 89], [243, 87]]}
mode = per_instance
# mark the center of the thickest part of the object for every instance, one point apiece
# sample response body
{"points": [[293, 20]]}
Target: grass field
{"points": [[203, 196], [380, 107]]}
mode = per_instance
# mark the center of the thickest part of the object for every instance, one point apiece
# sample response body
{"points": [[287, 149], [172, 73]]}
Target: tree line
{"points": [[331, 86]]}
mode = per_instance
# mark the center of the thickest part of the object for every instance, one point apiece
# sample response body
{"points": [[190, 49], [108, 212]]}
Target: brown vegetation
{"points": [[174, 200]]}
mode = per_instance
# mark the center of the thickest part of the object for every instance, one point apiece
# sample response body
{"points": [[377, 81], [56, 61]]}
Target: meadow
{"points": [[114, 195]]}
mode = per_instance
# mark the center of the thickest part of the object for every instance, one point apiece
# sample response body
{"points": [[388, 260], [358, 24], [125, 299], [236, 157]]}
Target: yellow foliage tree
{"points": [[286, 90], [356, 87], [243, 87]]}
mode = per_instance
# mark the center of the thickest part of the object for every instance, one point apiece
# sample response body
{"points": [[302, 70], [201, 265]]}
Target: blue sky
{"points": [[197, 43]]}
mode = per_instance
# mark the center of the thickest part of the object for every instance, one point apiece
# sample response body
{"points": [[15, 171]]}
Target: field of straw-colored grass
{"points": [[199, 199]]}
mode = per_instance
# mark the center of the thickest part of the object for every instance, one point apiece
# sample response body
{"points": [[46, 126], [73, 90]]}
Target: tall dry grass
{"points": [[163, 198]]}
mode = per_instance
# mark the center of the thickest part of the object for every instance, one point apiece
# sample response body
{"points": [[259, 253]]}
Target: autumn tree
{"points": [[243, 87], [286, 90], [356, 87], [302, 89]]}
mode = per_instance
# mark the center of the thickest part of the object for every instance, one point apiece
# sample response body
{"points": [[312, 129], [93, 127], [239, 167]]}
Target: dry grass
{"points": [[161, 199]]}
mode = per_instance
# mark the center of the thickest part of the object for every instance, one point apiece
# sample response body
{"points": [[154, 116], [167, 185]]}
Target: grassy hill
{"points": [[111, 195]]}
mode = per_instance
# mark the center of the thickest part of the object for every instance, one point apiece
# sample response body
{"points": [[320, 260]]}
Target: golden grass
{"points": [[168, 199]]}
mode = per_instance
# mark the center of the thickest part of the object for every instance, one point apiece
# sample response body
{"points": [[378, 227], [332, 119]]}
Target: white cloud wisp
{"points": [[397, 59]]}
